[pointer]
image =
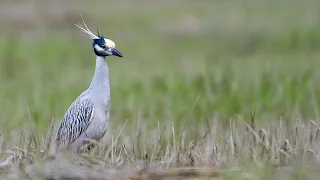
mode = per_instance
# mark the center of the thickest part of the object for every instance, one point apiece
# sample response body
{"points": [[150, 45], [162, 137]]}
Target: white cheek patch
{"points": [[109, 43], [98, 48]]}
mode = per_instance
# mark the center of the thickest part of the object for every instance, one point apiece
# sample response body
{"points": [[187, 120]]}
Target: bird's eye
{"points": [[104, 46]]}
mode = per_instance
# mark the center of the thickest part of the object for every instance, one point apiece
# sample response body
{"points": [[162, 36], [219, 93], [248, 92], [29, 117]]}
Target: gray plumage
{"points": [[76, 120], [89, 115]]}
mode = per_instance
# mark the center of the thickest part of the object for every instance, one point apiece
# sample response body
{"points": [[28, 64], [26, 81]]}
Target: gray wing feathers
{"points": [[75, 121]]}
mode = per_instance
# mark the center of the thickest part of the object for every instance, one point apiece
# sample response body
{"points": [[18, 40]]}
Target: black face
{"points": [[99, 41], [100, 48]]}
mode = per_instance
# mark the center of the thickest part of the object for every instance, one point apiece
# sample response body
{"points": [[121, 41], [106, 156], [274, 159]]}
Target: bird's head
{"points": [[102, 46], [105, 47]]}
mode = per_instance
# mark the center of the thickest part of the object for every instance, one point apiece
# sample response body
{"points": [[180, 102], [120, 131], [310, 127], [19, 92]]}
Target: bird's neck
{"points": [[100, 81]]}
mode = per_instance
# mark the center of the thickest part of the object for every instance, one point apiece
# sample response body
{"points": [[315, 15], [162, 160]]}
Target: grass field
{"points": [[206, 89]]}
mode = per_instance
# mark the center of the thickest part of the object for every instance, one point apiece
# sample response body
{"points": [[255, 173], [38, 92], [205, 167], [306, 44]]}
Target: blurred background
{"points": [[183, 60]]}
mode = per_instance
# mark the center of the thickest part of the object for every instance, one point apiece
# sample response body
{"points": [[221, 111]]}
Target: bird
{"points": [[88, 116]]}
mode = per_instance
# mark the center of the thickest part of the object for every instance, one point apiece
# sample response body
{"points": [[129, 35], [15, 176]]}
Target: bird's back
{"points": [[76, 120]]}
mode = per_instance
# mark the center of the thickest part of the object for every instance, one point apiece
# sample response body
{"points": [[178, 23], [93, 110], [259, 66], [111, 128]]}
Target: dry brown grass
{"points": [[220, 149]]}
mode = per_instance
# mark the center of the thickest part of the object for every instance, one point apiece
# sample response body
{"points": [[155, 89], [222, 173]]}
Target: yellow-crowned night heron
{"points": [[89, 115]]}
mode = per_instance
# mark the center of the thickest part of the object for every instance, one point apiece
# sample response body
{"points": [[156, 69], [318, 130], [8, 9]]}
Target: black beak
{"points": [[116, 52]]}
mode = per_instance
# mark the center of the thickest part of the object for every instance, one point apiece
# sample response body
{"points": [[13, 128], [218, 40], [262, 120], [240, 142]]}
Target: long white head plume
{"points": [[86, 30]]}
